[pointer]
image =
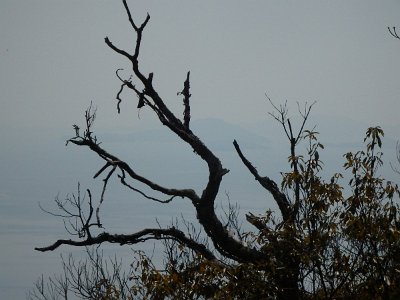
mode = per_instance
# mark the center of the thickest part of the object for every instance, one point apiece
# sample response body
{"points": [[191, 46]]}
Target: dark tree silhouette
{"points": [[321, 244]]}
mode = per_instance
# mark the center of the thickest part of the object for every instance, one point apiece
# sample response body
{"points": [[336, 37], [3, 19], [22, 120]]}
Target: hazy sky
{"points": [[54, 62], [339, 53]]}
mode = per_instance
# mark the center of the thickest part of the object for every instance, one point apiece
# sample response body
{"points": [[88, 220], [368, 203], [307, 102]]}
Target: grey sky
{"points": [[53, 62]]}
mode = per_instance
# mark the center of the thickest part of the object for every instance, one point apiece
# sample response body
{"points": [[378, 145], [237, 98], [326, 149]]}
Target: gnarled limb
{"points": [[204, 204], [114, 162], [135, 238]]}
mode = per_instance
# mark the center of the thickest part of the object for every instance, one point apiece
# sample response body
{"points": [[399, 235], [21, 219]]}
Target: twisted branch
{"points": [[135, 238]]}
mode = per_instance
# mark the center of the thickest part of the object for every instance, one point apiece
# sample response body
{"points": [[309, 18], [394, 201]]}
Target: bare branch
{"points": [[282, 111], [128, 12], [72, 212], [111, 160], [268, 184], [122, 178], [186, 96], [304, 115], [119, 93], [105, 181], [293, 140], [393, 32], [231, 216], [135, 238], [101, 170], [205, 203], [138, 30], [122, 52], [90, 117]]}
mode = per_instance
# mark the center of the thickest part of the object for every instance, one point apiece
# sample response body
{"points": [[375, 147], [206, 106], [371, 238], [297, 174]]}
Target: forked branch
{"points": [[77, 213], [204, 203], [393, 32], [294, 139]]}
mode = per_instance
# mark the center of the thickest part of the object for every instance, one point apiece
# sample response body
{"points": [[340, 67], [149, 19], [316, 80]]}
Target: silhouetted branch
{"points": [[124, 83], [282, 110], [102, 169], [293, 140], [326, 250], [231, 216], [122, 178], [205, 204], [93, 278], [186, 96], [115, 162], [122, 52], [73, 213], [138, 30], [135, 238], [304, 114], [393, 32], [105, 181], [268, 184]]}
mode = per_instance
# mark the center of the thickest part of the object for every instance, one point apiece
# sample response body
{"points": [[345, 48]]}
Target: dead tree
{"points": [[226, 245]]}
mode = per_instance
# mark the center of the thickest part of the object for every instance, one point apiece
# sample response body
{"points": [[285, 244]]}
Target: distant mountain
{"points": [[219, 135], [215, 133]]}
